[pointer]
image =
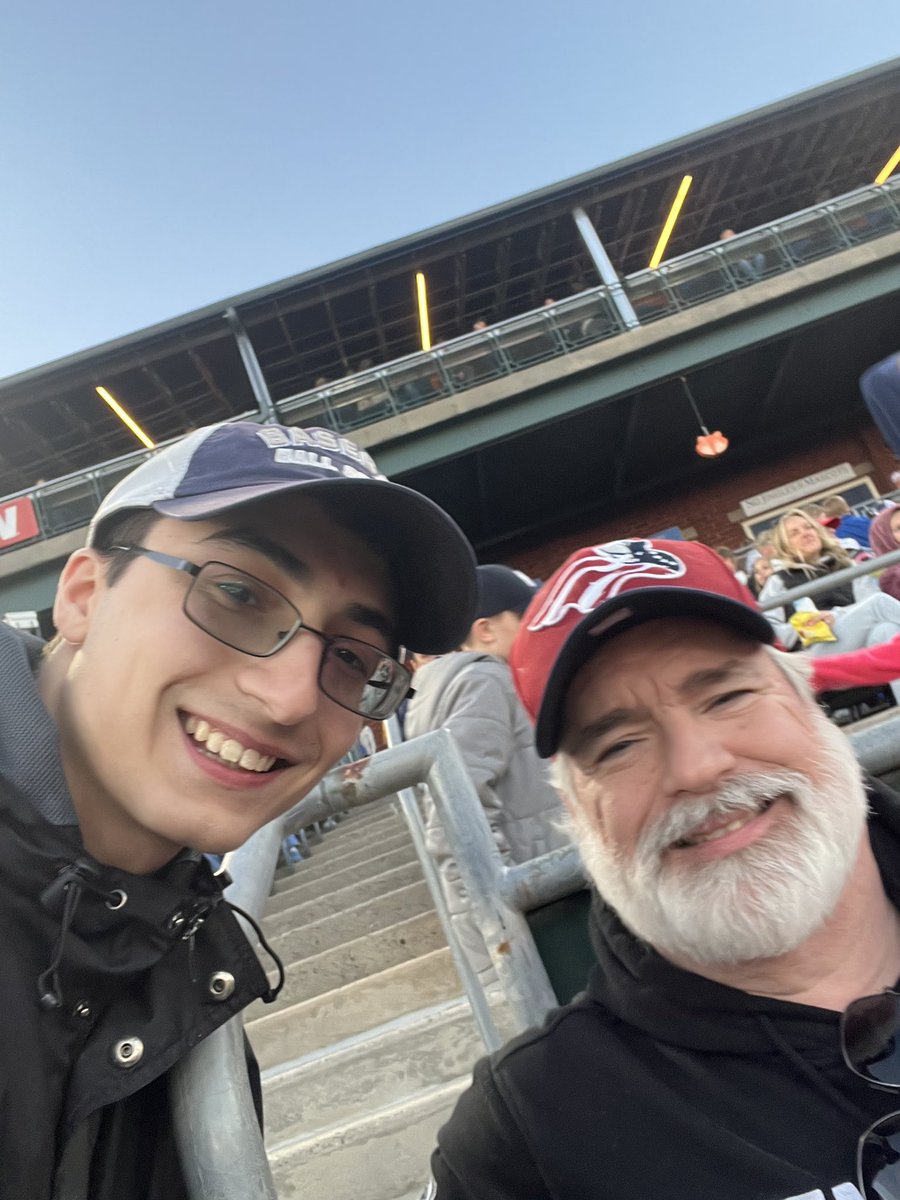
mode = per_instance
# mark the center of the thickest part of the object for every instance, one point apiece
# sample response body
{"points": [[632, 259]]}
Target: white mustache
{"points": [[743, 794]]}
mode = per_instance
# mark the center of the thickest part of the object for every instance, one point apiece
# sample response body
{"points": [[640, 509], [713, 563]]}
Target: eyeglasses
{"points": [[870, 1044], [246, 614]]}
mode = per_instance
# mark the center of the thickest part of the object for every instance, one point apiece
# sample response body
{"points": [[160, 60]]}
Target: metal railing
{"points": [[513, 345], [826, 583]]}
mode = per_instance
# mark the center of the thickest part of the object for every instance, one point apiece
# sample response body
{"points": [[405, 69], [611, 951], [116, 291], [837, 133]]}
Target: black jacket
{"points": [[836, 597], [106, 980], [657, 1083]]}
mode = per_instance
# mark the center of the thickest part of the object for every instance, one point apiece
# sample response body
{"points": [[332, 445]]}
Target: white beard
{"points": [[759, 902]]}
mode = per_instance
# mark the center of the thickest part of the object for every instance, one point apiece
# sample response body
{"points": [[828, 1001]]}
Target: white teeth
{"points": [[227, 749], [231, 751], [720, 831]]}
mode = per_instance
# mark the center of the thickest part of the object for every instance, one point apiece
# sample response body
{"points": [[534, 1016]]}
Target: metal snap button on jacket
{"points": [[128, 1052], [221, 985]]}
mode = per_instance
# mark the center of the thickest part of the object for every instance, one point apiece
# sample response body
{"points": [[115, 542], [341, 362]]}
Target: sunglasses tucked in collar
{"points": [[870, 1044]]}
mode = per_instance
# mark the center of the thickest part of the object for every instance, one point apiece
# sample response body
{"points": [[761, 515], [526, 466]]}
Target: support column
{"points": [[258, 384], [605, 269]]}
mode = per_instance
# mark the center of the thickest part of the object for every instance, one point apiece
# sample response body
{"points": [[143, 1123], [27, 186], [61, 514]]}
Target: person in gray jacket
{"points": [[471, 693]]}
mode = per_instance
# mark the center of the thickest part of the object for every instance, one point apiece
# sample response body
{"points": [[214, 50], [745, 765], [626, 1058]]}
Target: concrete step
{"points": [[323, 1020], [363, 956], [344, 841], [346, 834], [357, 856], [359, 892], [312, 886], [359, 921], [355, 831], [379, 1156], [370, 1072]]}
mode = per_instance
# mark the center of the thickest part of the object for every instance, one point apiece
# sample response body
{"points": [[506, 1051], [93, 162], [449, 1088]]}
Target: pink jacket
{"points": [[858, 668], [883, 542]]}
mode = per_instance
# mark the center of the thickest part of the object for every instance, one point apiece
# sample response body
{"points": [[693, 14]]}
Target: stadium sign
{"points": [[18, 522], [782, 496]]}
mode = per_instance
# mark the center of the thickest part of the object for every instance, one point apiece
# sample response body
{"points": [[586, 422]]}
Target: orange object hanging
{"points": [[710, 445]]}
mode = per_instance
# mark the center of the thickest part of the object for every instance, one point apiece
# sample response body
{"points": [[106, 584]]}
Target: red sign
{"points": [[18, 522]]}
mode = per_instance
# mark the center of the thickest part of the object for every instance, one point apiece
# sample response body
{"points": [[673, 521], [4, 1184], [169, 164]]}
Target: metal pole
{"points": [[220, 1144], [605, 269], [478, 1001], [434, 758], [258, 384]]}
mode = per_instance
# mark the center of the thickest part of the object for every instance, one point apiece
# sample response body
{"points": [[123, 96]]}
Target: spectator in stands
{"points": [[746, 895], [856, 616], [845, 523], [184, 703], [762, 569], [471, 694], [748, 269], [479, 325], [880, 388], [731, 560], [765, 544], [885, 537]]}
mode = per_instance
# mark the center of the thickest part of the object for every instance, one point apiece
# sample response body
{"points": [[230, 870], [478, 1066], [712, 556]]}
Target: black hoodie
{"points": [[659, 1083]]}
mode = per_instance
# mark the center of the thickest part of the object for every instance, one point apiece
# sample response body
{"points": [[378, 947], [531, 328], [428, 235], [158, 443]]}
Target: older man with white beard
{"points": [[738, 1038]]}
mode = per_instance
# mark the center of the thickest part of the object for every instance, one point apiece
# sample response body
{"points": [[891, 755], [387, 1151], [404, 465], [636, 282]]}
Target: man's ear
{"points": [[80, 584], [482, 632]]}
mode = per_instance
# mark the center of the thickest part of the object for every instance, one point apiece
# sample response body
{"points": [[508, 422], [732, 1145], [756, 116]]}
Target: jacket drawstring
{"points": [[271, 993], [49, 990]]}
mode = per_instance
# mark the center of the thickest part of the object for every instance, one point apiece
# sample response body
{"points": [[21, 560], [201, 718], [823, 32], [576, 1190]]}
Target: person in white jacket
{"points": [[471, 693]]}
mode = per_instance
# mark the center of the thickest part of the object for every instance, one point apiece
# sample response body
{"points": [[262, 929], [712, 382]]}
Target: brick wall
{"points": [[706, 507]]}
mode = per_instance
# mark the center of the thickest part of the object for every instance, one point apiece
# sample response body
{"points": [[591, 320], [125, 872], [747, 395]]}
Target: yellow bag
{"points": [[811, 628]]}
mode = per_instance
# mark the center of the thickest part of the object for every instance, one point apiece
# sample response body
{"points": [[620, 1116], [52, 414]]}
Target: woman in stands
{"points": [[857, 613], [884, 535]]}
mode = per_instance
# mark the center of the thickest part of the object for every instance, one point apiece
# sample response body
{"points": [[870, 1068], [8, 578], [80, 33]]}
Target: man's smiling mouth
{"points": [[226, 749], [711, 833]]}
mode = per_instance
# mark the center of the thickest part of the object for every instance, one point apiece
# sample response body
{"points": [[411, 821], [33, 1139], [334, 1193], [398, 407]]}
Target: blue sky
{"points": [[159, 157]]}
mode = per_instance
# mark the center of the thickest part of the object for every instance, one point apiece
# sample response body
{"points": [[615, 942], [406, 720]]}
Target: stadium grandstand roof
{"points": [[493, 264]]}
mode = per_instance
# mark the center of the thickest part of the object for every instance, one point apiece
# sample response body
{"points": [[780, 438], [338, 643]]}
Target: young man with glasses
{"points": [[739, 1035], [240, 609]]}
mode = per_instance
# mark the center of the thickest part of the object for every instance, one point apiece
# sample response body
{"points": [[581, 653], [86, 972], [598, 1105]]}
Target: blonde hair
{"points": [[789, 556]]}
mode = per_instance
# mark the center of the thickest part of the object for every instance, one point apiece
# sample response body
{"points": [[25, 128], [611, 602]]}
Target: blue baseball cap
{"points": [[222, 467]]}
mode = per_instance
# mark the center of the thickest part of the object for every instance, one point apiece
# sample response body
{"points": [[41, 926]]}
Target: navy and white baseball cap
{"points": [[221, 467], [502, 589]]}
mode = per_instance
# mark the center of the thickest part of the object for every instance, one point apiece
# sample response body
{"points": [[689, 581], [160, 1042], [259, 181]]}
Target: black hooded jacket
{"points": [[657, 1083], [106, 979]]}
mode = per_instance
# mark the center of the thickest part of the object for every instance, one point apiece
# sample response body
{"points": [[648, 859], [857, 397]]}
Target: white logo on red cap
{"points": [[601, 573]]}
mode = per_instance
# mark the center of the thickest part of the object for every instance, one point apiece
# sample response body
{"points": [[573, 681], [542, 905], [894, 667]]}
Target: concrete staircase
{"points": [[370, 1042]]}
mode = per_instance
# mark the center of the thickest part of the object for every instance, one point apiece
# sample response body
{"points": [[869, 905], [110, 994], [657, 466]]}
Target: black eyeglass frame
{"points": [[194, 570], [878, 1084]]}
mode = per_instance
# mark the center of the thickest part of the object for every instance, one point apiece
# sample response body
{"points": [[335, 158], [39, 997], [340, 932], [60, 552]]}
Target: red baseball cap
{"points": [[602, 591]]}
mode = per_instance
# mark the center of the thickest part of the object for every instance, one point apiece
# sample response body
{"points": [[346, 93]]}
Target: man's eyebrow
{"points": [[725, 672], [698, 681], [249, 539], [595, 730]]}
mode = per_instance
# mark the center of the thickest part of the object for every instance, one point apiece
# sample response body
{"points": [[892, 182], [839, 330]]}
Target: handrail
{"points": [[826, 582], [423, 377]]}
